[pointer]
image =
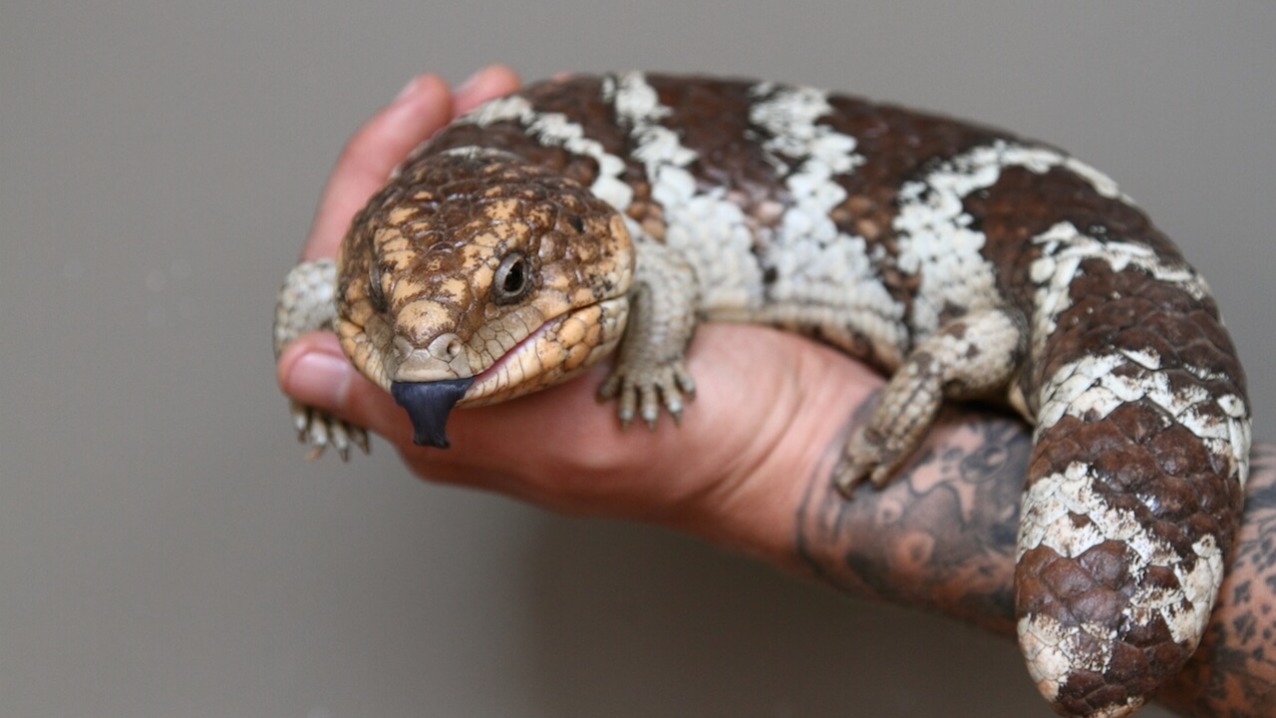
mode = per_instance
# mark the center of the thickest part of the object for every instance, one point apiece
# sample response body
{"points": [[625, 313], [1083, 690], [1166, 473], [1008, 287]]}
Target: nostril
{"points": [[446, 347], [442, 357]]}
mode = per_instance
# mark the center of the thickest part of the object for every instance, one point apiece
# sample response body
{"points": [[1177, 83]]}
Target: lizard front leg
{"points": [[307, 303], [649, 370]]}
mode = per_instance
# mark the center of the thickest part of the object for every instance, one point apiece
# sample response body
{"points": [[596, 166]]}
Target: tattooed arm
{"points": [[748, 468], [1234, 671], [941, 537]]}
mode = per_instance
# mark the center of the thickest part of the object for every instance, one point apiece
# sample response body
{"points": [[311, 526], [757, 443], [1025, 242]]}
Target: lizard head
{"points": [[475, 277]]}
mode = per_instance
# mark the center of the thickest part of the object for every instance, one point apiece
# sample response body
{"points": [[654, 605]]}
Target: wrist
{"points": [[755, 508]]}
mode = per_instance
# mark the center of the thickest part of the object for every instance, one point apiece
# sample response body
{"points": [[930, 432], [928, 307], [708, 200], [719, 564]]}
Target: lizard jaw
{"points": [[428, 385], [430, 402], [555, 351]]}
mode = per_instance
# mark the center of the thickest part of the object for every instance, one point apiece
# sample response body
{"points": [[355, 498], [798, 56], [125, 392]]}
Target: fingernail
{"points": [[407, 90], [470, 83], [320, 379]]}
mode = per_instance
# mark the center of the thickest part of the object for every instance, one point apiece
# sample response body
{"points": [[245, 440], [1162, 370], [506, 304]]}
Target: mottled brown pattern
{"points": [[1233, 673], [1148, 462], [512, 138], [898, 145], [729, 149], [941, 538], [1144, 461], [436, 233]]}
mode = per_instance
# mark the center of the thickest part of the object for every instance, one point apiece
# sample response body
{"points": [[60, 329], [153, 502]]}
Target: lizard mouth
{"points": [[553, 352], [429, 403]]}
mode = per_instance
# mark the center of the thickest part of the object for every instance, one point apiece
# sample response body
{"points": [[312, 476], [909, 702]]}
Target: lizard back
{"points": [[885, 232]]}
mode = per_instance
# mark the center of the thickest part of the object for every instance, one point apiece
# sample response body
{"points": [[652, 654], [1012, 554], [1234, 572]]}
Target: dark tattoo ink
{"points": [[1233, 673], [941, 537]]}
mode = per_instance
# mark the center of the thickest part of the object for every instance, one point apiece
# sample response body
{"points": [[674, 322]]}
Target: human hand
{"points": [[941, 537], [749, 468], [728, 473]]}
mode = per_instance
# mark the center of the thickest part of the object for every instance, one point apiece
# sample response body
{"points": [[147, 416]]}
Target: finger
{"points": [[314, 371], [491, 445], [486, 452], [492, 81], [424, 106]]}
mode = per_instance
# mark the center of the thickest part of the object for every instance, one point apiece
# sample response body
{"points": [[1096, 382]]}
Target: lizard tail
{"points": [[1136, 478]]}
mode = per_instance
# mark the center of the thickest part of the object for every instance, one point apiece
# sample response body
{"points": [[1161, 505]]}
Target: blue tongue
{"points": [[428, 403]]}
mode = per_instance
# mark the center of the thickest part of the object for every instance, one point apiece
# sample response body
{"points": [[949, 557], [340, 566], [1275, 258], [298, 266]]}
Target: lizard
{"points": [[591, 218]]}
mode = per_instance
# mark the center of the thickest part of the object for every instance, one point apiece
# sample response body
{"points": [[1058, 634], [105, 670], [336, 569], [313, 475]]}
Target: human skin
{"points": [[749, 469]]}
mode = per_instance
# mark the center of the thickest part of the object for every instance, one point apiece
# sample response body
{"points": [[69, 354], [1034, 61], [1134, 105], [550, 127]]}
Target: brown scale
{"points": [[728, 149], [1150, 464], [450, 214], [898, 145]]}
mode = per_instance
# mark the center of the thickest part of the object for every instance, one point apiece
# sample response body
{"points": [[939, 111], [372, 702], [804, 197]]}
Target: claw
{"points": [[609, 388], [360, 437], [319, 430], [340, 439], [650, 408], [674, 407], [859, 460], [848, 477], [300, 418], [627, 404], [649, 418], [685, 381], [644, 393], [867, 457]]}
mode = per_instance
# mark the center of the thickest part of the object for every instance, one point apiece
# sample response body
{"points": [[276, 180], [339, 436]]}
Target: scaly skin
{"points": [[424, 295], [513, 249]]}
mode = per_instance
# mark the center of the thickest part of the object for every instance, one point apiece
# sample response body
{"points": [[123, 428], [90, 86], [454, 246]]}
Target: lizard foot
{"points": [[306, 304], [972, 356], [869, 456], [645, 391], [318, 430]]}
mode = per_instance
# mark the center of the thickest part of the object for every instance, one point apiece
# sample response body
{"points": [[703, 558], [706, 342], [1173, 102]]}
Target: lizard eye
{"points": [[512, 280], [375, 293]]}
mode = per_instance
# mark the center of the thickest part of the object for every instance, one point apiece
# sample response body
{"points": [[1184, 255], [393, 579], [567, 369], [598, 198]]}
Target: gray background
{"points": [[164, 551]]}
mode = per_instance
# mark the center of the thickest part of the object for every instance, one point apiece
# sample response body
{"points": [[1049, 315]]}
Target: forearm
{"points": [[1234, 671], [941, 537]]}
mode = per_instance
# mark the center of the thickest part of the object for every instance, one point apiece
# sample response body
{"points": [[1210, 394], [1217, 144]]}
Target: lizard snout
{"points": [[443, 358]]}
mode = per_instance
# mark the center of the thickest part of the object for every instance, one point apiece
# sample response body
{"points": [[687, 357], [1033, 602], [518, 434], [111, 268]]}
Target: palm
{"points": [[761, 419]]}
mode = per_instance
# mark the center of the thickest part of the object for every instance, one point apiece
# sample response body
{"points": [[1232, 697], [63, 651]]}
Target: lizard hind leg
{"points": [[972, 356]]}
